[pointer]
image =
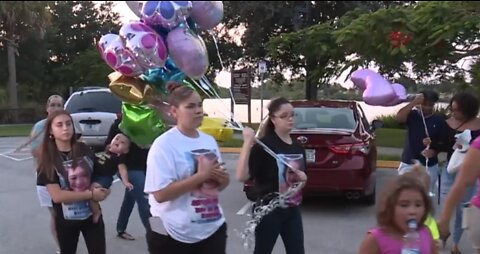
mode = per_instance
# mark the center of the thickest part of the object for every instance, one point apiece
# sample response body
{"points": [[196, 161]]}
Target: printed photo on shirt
{"points": [[287, 177], [204, 199], [76, 176]]}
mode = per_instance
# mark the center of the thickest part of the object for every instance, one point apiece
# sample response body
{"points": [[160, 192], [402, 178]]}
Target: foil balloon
{"points": [[145, 44], [400, 91], [378, 91], [168, 14], [216, 127], [207, 14], [128, 89], [141, 124], [188, 52], [159, 77], [400, 95], [118, 57], [358, 77]]}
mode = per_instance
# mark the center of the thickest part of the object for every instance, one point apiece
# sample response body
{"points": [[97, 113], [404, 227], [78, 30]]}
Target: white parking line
{"points": [[15, 159]]}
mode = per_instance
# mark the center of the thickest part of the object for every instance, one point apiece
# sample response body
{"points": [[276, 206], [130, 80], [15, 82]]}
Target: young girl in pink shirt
{"points": [[405, 199]]}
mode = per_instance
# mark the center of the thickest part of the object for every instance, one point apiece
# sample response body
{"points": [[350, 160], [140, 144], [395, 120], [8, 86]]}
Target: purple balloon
{"points": [[359, 77], [188, 52], [168, 14], [378, 91], [146, 45], [400, 91], [207, 14]]}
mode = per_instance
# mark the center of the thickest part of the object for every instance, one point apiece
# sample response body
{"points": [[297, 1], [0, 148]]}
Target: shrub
{"points": [[390, 122]]}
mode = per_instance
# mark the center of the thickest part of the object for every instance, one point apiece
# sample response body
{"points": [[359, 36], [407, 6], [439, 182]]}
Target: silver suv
{"points": [[93, 111]]}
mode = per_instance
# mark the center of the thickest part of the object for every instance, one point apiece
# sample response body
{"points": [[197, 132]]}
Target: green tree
{"points": [[76, 27], [432, 36], [16, 19]]}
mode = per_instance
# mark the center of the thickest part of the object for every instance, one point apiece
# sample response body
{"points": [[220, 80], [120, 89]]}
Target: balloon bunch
{"points": [[377, 91], [164, 45]]}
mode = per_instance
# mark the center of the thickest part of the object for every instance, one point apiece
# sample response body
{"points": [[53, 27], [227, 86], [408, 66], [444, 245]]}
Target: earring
{"points": [[50, 136]]}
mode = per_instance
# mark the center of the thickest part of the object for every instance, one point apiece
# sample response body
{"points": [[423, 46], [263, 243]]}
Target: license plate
{"points": [[310, 153]]}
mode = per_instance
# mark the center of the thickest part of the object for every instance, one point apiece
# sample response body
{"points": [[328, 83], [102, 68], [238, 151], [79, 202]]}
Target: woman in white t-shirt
{"points": [[184, 176]]}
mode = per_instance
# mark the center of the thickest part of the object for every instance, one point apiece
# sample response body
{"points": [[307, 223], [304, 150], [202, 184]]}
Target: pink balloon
{"points": [[188, 52], [378, 91], [145, 44], [207, 14], [359, 77], [118, 57]]}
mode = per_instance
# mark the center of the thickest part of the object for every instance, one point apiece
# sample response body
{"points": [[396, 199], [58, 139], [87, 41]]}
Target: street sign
{"points": [[241, 86], [262, 67]]}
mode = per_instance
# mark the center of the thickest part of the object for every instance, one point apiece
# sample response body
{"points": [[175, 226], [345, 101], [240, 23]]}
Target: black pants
{"points": [[68, 232], [162, 244], [284, 221]]}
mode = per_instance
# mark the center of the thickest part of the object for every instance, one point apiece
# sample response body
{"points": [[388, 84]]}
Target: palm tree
{"points": [[17, 17]]}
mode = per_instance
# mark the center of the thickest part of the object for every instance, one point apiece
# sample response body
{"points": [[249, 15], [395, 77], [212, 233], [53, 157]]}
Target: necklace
{"points": [[65, 156]]}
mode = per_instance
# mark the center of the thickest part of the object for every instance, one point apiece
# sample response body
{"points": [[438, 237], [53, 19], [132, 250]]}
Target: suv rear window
{"points": [[94, 102], [332, 118]]}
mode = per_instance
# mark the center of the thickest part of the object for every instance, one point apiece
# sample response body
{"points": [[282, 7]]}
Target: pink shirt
{"points": [[390, 245], [476, 199]]}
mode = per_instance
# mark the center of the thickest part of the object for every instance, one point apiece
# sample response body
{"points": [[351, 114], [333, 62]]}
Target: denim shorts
{"points": [[104, 181]]}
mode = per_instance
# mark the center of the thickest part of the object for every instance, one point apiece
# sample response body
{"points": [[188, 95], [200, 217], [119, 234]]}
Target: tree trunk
{"points": [[310, 83], [12, 80]]}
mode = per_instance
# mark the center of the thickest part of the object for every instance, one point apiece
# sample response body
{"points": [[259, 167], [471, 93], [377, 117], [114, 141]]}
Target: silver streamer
{"points": [[248, 234]]}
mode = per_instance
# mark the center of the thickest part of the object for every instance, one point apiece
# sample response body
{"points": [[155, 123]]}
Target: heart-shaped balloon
{"points": [[378, 91], [145, 44], [188, 52], [359, 77], [141, 124], [166, 13], [207, 14], [400, 91], [118, 57]]}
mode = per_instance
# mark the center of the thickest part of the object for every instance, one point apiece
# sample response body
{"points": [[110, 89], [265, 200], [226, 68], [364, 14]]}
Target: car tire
{"points": [[370, 199]]}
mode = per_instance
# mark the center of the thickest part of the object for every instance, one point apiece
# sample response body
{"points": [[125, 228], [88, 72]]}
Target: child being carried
{"points": [[107, 164]]}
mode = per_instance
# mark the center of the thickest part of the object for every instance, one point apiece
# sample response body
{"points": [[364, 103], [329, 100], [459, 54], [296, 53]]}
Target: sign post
{"points": [[262, 69], [241, 90]]}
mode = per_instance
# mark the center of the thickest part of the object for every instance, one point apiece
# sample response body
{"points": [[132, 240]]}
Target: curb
{"points": [[380, 163]]}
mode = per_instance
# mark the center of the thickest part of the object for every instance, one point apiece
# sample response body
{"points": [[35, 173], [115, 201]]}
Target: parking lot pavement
{"points": [[10, 144]]}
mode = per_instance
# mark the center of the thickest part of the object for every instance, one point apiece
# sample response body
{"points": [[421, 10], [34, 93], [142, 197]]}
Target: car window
{"points": [[94, 102], [364, 119], [323, 117]]}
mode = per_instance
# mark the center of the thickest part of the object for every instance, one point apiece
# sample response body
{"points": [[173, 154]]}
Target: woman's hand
{"points": [[248, 136], [206, 166], [443, 229]]}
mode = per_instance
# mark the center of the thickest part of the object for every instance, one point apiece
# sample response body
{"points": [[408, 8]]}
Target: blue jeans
{"points": [[447, 182], [137, 179], [286, 222]]}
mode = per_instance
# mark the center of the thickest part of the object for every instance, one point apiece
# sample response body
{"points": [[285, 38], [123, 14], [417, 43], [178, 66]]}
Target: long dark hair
{"points": [[273, 107], [49, 155]]}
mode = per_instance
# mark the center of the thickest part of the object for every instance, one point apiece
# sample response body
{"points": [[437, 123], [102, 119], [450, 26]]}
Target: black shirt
{"points": [[80, 151], [264, 168], [106, 163], [136, 158]]}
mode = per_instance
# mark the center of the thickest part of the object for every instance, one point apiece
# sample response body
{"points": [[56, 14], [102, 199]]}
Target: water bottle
{"points": [[411, 240]]}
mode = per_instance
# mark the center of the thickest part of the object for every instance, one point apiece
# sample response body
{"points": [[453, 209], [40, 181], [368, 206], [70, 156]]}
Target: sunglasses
{"points": [[55, 105]]}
